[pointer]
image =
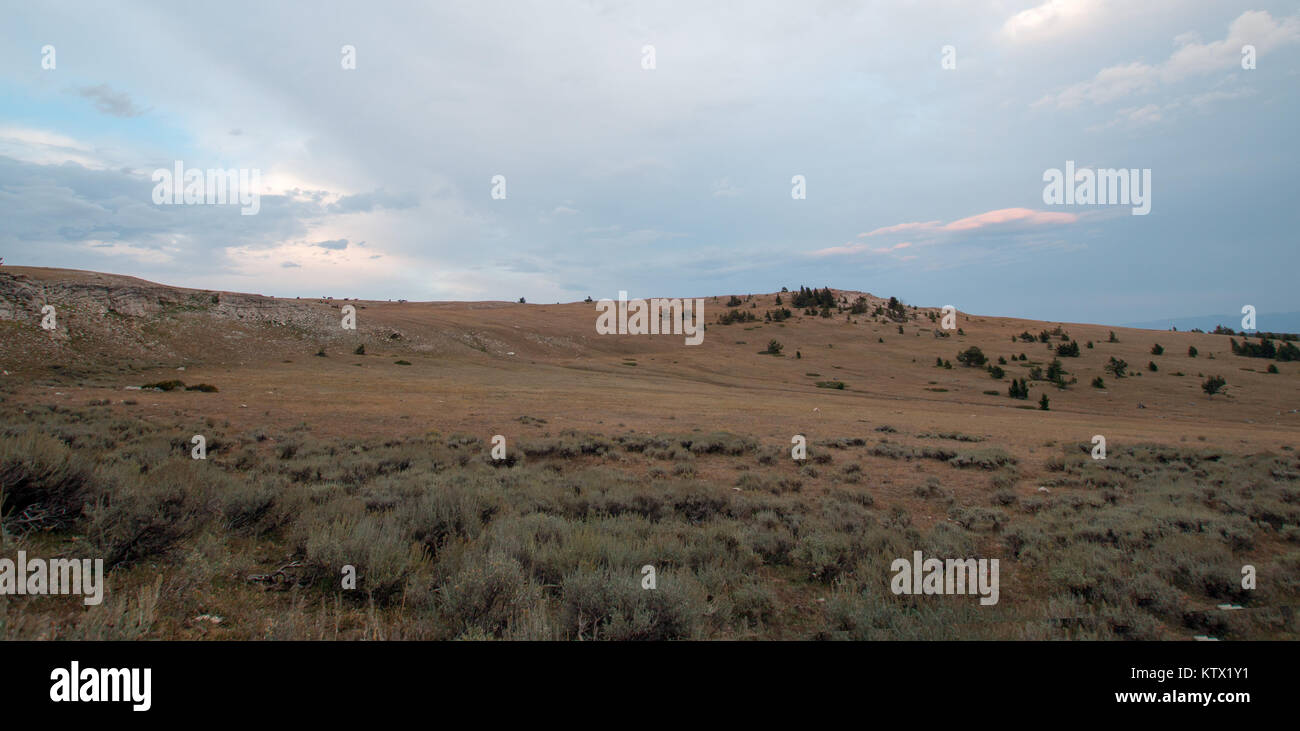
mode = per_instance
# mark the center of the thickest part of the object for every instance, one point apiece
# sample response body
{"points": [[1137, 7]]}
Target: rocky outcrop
{"points": [[22, 297], [106, 322]]}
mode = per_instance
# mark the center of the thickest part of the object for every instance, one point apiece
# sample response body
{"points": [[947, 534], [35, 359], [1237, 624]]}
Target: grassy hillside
{"points": [[372, 449]]}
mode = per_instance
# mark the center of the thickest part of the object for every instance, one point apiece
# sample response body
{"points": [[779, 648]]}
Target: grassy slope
{"points": [[295, 440]]}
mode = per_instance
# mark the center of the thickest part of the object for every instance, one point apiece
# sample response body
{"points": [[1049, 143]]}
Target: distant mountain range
{"points": [[1278, 322]]}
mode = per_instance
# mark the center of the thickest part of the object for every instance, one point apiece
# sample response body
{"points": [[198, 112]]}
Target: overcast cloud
{"points": [[922, 182]]}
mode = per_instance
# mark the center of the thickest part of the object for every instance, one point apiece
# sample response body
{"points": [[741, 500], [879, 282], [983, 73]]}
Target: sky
{"points": [[923, 166]]}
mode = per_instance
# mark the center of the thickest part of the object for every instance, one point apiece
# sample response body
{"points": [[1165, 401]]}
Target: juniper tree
{"points": [[1213, 385]]}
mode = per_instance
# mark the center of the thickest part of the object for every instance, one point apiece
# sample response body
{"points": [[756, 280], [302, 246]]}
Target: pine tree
{"points": [[1056, 372], [1018, 389]]}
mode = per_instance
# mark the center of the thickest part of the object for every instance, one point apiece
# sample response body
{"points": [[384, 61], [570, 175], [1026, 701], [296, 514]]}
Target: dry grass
{"points": [[682, 463], [447, 544]]}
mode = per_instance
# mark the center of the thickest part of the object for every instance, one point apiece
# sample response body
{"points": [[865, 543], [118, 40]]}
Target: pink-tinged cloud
{"points": [[932, 230], [860, 249], [899, 227], [1008, 215]]}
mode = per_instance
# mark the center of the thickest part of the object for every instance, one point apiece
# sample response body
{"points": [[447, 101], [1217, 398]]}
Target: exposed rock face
{"points": [[21, 298], [112, 324], [103, 319]]}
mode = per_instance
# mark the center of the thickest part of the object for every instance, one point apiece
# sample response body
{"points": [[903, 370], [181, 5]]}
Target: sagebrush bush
{"points": [[489, 594], [988, 458], [144, 516], [447, 546], [43, 484], [244, 505], [374, 545], [603, 604]]}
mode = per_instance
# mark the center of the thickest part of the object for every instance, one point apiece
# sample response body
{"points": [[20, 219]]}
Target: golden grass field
{"points": [[1188, 475]]}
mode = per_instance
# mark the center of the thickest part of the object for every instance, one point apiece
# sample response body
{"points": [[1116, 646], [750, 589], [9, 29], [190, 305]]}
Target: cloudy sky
{"points": [[922, 181]]}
